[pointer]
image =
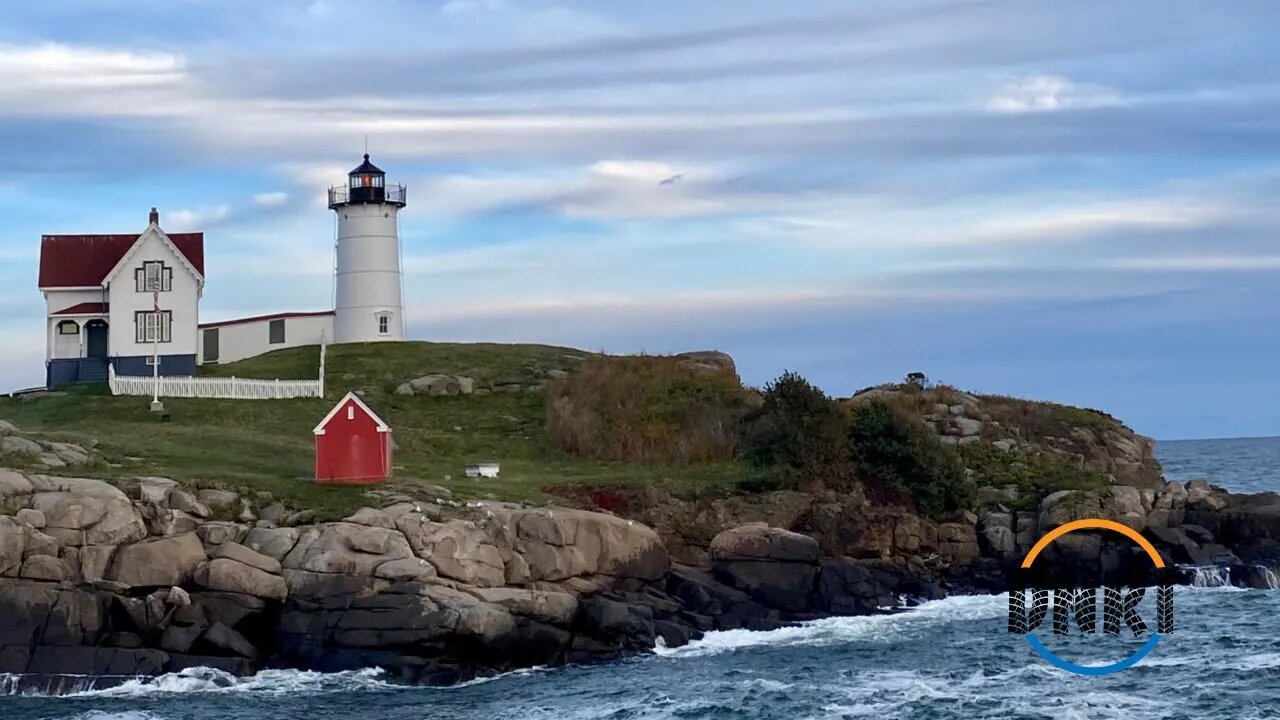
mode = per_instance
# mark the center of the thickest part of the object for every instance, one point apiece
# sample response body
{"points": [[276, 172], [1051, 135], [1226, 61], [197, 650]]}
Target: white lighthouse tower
{"points": [[368, 304]]}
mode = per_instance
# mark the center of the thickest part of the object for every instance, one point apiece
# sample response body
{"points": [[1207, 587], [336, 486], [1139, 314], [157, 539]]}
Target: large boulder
{"points": [[43, 567], [231, 576], [998, 538], [346, 548], [240, 553], [164, 562], [272, 542], [18, 445], [12, 541], [458, 549], [437, 385], [758, 541], [75, 518], [558, 543], [155, 490], [773, 565], [13, 483], [1124, 504], [708, 362], [81, 487], [958, 542]]}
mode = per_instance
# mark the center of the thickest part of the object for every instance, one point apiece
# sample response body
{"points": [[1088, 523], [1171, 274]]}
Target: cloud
{"points": [[1092, 218], [270, 199], [466, 7], [1198, 263], [55, 65], [1049, 93], [195, 219], [607, 189]]}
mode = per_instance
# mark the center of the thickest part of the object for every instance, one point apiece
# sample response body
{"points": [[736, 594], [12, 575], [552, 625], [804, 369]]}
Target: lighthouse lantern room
{"points": [[368, 304]]}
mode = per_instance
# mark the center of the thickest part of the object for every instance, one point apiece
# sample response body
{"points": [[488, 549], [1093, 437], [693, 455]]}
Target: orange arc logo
{"points": [[1093, 524]]}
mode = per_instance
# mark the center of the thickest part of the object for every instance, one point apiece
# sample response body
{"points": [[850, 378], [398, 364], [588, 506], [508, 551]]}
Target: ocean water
{"points": [[945, 659], [1248, 465]]}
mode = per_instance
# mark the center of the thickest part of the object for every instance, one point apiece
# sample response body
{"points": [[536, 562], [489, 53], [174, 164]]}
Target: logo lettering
{"points": [[1029, 609]]}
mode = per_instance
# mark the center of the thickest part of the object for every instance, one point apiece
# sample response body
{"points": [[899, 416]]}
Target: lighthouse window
{"points": [[384, 324]]}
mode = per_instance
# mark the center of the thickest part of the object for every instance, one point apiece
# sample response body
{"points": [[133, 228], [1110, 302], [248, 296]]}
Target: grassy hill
{"points": [[267, 445]]}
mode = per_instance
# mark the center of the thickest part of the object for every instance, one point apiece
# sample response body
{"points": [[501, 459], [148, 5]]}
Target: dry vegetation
{"points": [[647, 409]]}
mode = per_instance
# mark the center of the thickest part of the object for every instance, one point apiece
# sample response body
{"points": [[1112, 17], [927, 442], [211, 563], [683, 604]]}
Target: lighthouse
{"points": [[368, 304]]}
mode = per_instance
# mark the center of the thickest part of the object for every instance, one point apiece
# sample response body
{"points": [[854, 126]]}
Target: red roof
{"points": [[260, 318], [89, 308], [85, 260]]}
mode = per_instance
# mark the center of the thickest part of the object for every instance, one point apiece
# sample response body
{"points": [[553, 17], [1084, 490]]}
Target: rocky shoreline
{"points": [[149, 578]]}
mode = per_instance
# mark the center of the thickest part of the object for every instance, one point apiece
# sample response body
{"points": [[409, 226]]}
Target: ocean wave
{"points": [[491, 678], [120, 715], [267, 682], [866, 628]]}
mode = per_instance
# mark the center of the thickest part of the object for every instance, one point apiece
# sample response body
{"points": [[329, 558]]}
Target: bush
{"points": [[646, 409], [894, 452], [798, 435], [1034, 475]]}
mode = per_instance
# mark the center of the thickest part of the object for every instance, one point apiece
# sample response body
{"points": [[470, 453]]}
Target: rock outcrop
{"points": [[97, 581]]}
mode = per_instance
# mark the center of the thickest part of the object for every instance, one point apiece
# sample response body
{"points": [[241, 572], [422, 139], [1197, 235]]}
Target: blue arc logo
{"points": [[1094, 670], [1116, 608]]}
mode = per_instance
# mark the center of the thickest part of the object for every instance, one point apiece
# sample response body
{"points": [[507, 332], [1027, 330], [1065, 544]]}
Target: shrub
{"points": [[646, 409], [893, 452], [798, 434], [1035, 474]]}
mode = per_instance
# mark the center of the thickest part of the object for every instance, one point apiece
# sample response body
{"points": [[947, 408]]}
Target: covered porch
{"points": [[78, 345]]}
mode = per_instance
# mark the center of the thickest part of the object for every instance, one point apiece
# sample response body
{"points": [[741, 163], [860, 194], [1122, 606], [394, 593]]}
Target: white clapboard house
{"points": [[130, 301]]}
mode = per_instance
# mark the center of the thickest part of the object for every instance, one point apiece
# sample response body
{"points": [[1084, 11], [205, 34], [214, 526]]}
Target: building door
{"points": [[95, 339], [210, 348]]}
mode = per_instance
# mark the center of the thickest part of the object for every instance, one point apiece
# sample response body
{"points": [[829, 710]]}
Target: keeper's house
{"points": [[117, 298]]}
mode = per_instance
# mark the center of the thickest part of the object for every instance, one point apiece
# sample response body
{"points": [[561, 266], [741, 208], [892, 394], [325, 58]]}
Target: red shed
{"points": [[353, 445]]}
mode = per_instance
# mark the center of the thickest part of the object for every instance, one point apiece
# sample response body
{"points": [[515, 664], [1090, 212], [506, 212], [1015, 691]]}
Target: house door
{"points": [[210, 346], [95, 339]]}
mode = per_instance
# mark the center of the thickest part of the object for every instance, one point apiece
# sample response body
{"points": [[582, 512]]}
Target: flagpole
{"points": [[155, 349]]}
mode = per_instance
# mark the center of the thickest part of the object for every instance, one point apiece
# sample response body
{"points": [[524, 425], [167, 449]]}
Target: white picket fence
{"points": [[225, 388]]}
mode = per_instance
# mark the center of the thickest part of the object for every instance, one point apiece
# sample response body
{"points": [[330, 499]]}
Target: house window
{"points": [[151, 361], [154, 276], [68, 327], [275, 332], [151, 327], [384, 324]]}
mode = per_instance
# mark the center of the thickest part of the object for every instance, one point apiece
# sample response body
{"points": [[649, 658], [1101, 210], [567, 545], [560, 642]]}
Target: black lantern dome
{"points": [[366, 184]]}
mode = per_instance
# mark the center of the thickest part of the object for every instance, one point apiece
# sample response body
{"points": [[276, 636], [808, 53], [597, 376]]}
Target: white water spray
{"points": [[1269, 575], [1205, 576]]}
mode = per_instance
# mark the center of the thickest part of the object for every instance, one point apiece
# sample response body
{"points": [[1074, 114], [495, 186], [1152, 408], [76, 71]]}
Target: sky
{"points": [[1069, 201]]}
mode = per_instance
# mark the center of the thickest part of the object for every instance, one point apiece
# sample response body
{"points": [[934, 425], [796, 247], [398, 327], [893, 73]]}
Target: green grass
{"points": [[267, 445]]}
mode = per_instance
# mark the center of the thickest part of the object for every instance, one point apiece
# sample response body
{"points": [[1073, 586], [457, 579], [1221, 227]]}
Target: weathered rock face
{"points": [[92, 582], [227, 575], [163, 562], [775, 566]]}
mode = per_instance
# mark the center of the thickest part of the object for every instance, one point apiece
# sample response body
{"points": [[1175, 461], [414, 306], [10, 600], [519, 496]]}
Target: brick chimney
{"points": [[155, 217]]}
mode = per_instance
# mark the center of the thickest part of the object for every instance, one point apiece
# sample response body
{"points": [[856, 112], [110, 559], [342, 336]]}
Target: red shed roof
{"points": [[86, 308], [352, 397], [85, 260]]}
